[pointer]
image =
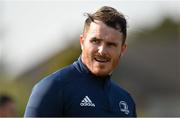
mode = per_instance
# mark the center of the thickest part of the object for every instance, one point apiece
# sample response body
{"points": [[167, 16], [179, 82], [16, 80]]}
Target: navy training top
{"points": [[75, 91]]}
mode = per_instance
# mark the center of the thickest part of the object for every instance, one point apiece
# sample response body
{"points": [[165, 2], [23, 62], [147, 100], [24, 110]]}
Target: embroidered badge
{"points": [[124, 107]]}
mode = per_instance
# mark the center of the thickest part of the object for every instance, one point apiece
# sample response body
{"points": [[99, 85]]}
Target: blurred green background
{"points": [[149, 70]]}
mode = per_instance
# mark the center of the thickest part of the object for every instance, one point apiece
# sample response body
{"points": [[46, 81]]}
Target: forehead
{"points": [[100, 30]]}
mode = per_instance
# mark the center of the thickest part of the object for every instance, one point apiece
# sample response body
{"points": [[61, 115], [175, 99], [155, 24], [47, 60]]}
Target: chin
{"points": [[101, 73]]}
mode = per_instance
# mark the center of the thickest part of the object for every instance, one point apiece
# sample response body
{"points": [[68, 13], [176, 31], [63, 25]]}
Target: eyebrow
{"points": [[106, 41], [96, 38]]}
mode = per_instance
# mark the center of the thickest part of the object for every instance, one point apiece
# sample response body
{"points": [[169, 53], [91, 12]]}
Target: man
{"points": [[84, 88], [7, 106]]}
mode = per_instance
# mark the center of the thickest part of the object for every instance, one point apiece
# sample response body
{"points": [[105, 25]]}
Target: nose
{"points": [[102, 50]]}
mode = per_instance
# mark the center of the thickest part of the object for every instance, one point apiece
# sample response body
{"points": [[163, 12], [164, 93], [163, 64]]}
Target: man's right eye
{"points": [[95, 41]]}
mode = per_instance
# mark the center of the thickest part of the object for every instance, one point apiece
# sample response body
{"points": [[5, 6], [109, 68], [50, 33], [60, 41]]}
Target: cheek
{"points": [[91, 50], [88, 52], [115, 56]]}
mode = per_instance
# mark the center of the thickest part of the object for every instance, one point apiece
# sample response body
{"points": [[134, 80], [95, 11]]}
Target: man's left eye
{"points": [[112, 44]]}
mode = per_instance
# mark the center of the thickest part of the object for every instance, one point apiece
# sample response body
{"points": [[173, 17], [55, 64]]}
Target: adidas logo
{"points": [[87, 102]]}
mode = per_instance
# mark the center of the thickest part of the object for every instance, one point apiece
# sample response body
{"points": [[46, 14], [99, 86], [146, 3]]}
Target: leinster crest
{"points": [[124, 107]]}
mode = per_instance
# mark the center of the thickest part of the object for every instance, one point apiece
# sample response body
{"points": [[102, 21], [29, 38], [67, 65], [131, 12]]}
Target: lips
{"points": [[102, 59]]}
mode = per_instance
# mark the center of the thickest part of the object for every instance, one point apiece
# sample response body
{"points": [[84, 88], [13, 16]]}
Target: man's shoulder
{"points": [[120, 90], [64, 73], [59, 78]]}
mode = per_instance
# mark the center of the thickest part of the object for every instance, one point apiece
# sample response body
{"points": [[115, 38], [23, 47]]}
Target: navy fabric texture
{"points": [[74, 91]]}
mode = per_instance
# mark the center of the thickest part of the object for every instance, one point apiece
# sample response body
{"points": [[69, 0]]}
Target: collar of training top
{"points": [[83, 69]]}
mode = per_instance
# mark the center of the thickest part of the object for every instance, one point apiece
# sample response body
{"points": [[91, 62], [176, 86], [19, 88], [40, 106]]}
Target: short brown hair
{"points": [[110, 17]]}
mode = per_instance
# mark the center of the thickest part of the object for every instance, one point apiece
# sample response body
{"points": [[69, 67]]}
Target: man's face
{"points": [[8, 110], [101, 48]]}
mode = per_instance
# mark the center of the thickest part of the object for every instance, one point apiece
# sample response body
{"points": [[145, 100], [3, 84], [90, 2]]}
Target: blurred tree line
{"points": [[149, 70]]}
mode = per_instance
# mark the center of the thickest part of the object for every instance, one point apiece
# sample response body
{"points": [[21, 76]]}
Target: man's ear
{"points": [[123, 49], [81, 40]]}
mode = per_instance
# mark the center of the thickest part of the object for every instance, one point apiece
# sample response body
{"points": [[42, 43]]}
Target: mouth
{"points": [[102, 59]]}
